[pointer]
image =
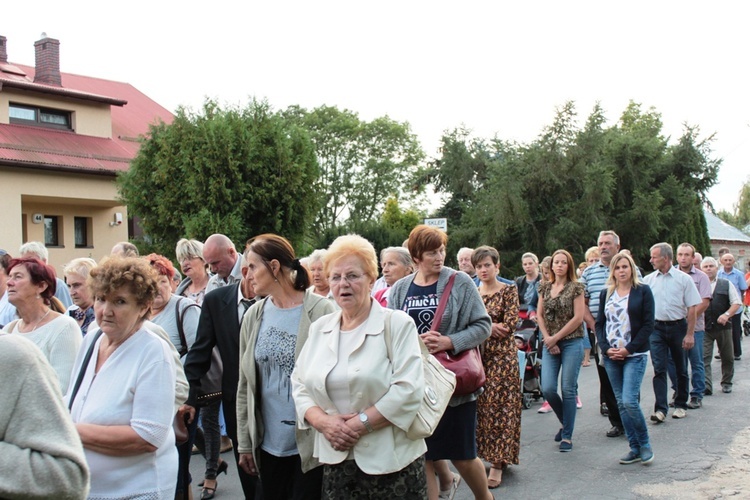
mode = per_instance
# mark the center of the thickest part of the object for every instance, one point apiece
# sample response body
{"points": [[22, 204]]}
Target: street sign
{"points": [[441, 224]]}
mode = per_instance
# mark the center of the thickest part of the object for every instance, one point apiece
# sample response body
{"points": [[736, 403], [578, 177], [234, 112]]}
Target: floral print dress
{"points": [[499, 406]]}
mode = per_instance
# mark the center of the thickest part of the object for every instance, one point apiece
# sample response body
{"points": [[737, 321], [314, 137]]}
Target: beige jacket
{"points": [[394, 388]]}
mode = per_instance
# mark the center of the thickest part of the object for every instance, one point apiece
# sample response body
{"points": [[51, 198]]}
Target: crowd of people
{"points": [[313, 367]]}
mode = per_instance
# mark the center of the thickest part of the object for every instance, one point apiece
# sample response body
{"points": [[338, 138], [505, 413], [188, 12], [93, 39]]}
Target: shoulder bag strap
{"points": [[387, 334], [82, 371], [443, 303], [180, 314]]}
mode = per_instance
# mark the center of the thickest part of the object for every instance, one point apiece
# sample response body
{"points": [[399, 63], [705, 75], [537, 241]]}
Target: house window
{"points": [[82, 227], [51, 231], [44, 117]]}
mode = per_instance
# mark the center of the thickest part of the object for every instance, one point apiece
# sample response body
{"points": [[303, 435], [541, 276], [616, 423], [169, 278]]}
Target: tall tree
{"points": [[362, 163], [571, 182], [238, 171]]}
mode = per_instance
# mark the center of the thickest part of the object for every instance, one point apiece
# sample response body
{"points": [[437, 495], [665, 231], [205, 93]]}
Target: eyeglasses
{"points": [[349, 278]]}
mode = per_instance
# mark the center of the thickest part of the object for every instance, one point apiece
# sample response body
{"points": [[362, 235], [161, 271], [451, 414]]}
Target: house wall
{"points": [[740, 250], [86, 118], [25, 192]]}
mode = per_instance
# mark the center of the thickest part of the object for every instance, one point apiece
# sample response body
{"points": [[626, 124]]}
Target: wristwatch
{"points": [[365, 421]]}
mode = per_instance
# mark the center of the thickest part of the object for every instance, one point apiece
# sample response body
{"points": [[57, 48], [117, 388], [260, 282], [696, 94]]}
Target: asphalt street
{"points": [[685, 450]]}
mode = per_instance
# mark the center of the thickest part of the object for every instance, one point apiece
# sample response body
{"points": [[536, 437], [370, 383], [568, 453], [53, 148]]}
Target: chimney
{"points": [[3, 49], [47, 61]]}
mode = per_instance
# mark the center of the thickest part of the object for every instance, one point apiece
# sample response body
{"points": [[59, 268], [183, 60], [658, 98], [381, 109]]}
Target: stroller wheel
{"points": [[526, 401]]}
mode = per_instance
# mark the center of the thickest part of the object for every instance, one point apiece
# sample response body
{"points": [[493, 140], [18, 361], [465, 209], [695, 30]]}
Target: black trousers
{"points": [[283, 478], [737, 334], [250, 484], [606, 394]]}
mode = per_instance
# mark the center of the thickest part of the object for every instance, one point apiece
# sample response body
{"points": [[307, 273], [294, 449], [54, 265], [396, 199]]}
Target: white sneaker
{"points": [[679, 413], [546, 408]]}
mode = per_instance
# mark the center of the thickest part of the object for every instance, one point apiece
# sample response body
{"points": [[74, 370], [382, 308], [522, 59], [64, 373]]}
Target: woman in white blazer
{"points": [[358, 401]]}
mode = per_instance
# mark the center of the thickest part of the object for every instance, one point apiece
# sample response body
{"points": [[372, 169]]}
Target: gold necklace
{"points": [[39, 321]]}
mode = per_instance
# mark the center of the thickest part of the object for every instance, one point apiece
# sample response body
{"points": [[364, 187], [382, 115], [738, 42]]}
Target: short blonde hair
{"points": [[590, 252], [188, 249], [81, 266], [352, 245]]}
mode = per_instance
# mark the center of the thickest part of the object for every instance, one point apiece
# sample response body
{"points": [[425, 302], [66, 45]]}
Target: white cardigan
{"points": [[395, 389], [135, 386]]}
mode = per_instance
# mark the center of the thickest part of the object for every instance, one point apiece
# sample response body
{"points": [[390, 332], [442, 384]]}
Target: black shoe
{"points": [[717, 357], [708, 392], [737, 358], [726, 389], [603, 409], [694, 403], [615, 431]]}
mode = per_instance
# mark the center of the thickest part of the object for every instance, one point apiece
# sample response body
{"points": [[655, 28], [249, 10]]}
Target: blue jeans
{"points": [[698, 372], [626, 377], [666, 341], [569, 363]]}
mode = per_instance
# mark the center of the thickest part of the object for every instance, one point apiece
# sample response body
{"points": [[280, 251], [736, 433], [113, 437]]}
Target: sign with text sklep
{"points": [[438, 223]]}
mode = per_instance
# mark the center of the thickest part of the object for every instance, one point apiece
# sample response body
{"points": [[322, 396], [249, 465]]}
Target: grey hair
{"points": [[318, 255], [81, 266], [529, 255], [187, 249], [404, 256], [35, 247], [665, 249], [613, 234], [464, 249], [709, 260]]}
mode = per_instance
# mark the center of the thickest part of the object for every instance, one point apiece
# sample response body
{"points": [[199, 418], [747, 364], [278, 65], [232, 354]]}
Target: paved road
{"points": [[685, 449]]}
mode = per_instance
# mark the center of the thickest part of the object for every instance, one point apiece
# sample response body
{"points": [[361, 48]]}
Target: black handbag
{"points": [[210, 388]]}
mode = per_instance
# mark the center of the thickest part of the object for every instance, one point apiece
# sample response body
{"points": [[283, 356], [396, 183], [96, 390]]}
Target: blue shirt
{"points": [[737, 279]]}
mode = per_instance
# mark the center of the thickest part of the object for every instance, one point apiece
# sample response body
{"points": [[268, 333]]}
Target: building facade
{"points": [[63, 140]]}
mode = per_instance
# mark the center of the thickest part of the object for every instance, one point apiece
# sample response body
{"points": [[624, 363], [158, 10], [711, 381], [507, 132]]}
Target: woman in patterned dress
{"points": [[560, 316], [499, 406]]}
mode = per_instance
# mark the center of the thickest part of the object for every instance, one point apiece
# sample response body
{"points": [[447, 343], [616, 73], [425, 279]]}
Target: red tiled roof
{"points": [[36, 146], [48, 148]]}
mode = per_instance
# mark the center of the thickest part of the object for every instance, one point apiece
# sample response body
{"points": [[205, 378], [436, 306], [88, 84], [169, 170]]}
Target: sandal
{"points": [[493, 483], [450, 492]]}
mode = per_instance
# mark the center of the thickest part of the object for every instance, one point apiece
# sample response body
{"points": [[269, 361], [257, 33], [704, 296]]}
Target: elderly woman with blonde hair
{"points": [[194, 267], [76, 273], [358, 393]]}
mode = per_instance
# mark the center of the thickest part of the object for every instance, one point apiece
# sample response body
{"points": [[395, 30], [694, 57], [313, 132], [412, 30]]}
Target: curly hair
{"points": [[131, 273]]}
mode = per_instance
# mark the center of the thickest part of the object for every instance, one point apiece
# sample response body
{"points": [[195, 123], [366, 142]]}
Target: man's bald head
{"points": [[220, 254]]}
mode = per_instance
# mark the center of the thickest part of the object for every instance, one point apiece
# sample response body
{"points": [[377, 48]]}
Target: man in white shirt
{"points": [[676, 300]]}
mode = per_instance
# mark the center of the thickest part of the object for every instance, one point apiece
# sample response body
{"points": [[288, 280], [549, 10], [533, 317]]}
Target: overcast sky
{"points": [[498, 69]]}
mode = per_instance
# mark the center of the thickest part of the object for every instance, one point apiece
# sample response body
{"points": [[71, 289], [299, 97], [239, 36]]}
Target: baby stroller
{"points": [[526, 340]]}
